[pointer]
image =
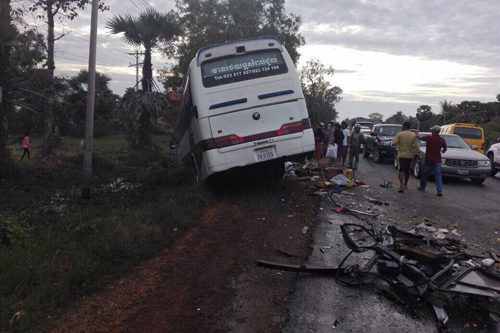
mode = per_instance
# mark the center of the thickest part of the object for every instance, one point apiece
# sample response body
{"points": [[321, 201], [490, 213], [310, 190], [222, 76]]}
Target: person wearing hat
{"points": [[435, 146], [355, 141]]}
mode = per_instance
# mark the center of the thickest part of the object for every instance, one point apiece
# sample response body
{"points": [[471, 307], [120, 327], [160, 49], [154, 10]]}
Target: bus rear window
{"points": [[242, 67], [468, 132]]}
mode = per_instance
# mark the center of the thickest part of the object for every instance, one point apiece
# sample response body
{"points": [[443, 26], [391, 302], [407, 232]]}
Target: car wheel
{"points": [[417, 169], [377, 157], [493, 168], [478, 181], [366, 153]]}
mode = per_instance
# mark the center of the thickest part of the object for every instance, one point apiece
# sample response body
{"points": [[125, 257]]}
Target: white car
{"points": [[366, 131], [494, 155]]}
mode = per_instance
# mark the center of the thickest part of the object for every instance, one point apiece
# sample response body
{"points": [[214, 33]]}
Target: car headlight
{"points": [[484, 163], [385, 143]]}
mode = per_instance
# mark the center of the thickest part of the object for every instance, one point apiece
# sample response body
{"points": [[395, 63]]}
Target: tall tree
{"points": [[75, 98], [7, 35], [319, 93], [49, 10], [215, 21], [424, 116], [151, 29], [377, 117], [446, 108], [398, 118]]}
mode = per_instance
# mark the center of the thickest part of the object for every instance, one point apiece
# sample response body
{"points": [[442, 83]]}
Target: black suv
{"points": [[379, 142]]}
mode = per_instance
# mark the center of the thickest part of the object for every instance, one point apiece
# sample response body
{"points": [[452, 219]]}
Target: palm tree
{"points": [[445, 108], [150, 30]]}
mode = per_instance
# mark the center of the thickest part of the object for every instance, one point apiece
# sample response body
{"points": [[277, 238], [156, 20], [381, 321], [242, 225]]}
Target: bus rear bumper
{"points": [[291, 147]]}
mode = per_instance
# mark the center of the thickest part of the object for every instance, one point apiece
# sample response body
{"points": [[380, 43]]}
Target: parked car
{"points": [[458, 161], [379, 142], [366, 131], [367, 124], [494, 155]]}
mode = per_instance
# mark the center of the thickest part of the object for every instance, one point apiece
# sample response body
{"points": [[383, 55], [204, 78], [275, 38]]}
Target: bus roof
{"points": [[463, 124], [204, 48]]}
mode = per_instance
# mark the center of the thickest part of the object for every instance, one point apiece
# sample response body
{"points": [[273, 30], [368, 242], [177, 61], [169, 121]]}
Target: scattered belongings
{"points": [[375, 201], [386, 184], [340, 179], [332, 172], [415, 266]]}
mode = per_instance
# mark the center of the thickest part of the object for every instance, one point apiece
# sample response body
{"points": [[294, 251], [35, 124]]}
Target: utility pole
{"points": [[137, 63], [89, 116]]}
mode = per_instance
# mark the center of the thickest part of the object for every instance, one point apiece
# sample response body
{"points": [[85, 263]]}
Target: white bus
{"points": [[242, 105]]}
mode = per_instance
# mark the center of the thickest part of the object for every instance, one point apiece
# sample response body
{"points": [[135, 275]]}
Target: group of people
{"points": [[350, 141], [407, 147], [346, 141]]}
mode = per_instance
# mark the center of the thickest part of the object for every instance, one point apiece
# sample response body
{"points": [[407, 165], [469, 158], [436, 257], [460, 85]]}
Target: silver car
{"points": [[458, 161]]}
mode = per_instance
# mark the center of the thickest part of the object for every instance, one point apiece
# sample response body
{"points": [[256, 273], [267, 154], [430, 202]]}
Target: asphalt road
{"points": [[475, 208], [321, 305]]}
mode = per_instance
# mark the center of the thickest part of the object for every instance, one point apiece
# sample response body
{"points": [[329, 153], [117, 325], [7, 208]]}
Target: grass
{"points": [[55, 247]]}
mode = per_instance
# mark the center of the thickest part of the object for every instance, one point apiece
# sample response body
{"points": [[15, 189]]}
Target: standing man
{"points": [[356, 140], [327, 129], [345, 145], [319, 138], [435, 146], [407, 144]]}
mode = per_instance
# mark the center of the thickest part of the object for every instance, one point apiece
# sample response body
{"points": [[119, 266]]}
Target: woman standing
{"points": [[26, 145]]}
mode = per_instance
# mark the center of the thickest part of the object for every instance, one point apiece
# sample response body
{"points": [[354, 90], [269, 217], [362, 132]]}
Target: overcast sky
{"points": [[389, 55]]}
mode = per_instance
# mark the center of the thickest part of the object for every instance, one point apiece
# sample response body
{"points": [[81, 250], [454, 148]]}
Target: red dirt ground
{"points": [[207, 281]]}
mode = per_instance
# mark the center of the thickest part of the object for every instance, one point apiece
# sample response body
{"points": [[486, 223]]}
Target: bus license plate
{"points": [[463, 172], [264, 154]]}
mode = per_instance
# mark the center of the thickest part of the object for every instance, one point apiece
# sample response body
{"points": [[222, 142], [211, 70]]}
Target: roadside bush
{"points": [[166, 173], [69, 257]]}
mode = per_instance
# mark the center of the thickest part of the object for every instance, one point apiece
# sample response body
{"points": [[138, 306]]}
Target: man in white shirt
{"points": [[345, 144]]}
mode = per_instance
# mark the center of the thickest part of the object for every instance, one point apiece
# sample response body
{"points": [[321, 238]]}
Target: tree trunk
{"points": [[5, 27], [145, 125], [147, 71], [49, 118]]}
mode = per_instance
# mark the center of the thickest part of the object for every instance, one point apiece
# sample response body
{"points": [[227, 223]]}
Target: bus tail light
{"points": [[231, 140], [290, 128]]}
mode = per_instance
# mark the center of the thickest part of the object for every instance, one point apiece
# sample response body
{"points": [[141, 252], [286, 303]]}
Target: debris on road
{"points": [[487, 262], [412, 265], [386, 184]]}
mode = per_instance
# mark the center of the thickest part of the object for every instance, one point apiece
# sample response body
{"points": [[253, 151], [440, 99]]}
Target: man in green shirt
{"points": [[407, 143]]}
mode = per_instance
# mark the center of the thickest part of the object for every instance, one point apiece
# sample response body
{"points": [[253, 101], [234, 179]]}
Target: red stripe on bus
{"points": [[233, 139]]}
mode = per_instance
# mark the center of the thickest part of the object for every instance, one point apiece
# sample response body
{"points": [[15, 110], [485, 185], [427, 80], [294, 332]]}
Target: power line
{"points": [[135, 5]]}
